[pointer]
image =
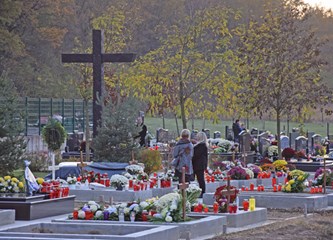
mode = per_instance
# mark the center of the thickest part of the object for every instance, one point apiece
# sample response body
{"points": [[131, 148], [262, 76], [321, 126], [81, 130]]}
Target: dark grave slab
{"points": [[311, 166], [35, 207]]}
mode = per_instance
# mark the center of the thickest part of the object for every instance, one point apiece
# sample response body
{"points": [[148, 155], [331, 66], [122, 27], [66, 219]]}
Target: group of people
{"points": [[193, 155]]}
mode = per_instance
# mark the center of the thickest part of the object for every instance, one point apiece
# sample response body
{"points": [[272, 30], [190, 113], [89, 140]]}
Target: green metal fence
{"points": [[70, 112]]}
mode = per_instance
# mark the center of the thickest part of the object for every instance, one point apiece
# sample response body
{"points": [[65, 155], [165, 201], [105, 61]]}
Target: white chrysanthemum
{"points": [[128, 176], [249, 172], [93, 208], [92, 203], [168, 218], [126, 210], [193, 188], [118, 179], [98, 213], [166, 200], [134, 169], [144, 204], [81, 214]]}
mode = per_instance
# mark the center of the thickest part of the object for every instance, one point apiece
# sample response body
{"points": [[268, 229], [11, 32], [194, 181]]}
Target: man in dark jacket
{"points": [[200, 160], [236, 128]]}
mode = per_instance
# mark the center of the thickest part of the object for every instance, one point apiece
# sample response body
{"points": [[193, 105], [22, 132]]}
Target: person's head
{"points": [[185, 133], [144, 128], [202, 137], [237, 121]]}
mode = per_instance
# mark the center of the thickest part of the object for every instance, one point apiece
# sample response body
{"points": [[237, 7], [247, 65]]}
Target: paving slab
{"points": [[198, 227], [159, 192], [117, 196], [7, 216]]}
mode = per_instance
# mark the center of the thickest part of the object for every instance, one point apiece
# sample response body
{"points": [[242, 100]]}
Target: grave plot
{"points": [[90, 231], [34, 207]]}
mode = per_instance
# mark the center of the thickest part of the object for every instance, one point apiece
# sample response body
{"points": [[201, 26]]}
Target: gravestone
{"points": [[229, 135], [194, 134], [217, 134], [207, 131], [162, 135], [309, 136], [264, 143], [301, 144], [254, 132], [292, 138], [284, 142], [245, 141], [315, 140]]}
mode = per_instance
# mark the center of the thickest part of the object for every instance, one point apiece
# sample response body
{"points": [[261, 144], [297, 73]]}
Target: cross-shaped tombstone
{"points": [[82, 164], [97, 58], [53, 167], [229, 192], [182, 187]]}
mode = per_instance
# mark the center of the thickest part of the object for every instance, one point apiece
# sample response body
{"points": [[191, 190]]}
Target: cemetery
{"points": [[101, 106]]}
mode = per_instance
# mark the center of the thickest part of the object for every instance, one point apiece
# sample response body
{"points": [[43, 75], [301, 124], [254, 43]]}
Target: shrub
{"points": [[288, 153]]}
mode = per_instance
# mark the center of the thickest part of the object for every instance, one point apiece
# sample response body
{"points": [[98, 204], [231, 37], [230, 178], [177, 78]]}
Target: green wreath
{"points": [[54, 134]]}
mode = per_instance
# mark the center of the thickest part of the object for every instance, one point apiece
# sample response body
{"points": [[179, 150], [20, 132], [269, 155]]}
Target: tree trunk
{"points": [[182, 103], [278, 129], [177, 124], [87, 132]]}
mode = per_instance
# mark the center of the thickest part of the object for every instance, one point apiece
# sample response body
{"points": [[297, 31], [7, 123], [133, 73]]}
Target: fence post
{"points": [[84, 116], [51, 107], [73, 119]]}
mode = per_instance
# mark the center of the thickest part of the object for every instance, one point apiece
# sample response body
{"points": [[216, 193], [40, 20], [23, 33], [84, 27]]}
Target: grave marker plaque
{"points": [[245, 141], [292, 138], [301, 144]]}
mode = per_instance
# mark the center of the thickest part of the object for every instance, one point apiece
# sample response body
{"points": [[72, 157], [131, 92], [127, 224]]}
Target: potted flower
{"points": [[296, 182], [10, 184], [118, 181], [238, 173], [288, 153]]}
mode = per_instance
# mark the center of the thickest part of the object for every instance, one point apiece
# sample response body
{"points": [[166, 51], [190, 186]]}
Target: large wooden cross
{"points": [[229, 192], [97, 58], [183, 186], [81, 164]]}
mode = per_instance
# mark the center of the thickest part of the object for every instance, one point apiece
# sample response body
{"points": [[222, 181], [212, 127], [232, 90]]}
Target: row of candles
{"points": [[144, 185]]}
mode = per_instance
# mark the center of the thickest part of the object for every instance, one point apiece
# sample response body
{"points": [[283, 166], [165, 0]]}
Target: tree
{"points": [[114, 141], [188, 71], [12, 145], [278, 63]]}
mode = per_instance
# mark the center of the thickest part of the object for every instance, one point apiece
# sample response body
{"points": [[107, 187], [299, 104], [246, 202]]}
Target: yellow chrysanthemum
{"points": [[300, 178], [40, 181], [7, 178], [288, 188], [1, 179], [21, 185], [15, 180], [292, 181]]}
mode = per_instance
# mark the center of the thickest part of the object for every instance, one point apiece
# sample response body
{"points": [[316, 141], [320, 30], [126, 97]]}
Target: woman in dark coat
{"points": [[200, 160]]}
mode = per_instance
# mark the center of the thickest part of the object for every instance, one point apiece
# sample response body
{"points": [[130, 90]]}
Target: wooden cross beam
{"points": [[97, 58], [229, 192], [183, 186]]}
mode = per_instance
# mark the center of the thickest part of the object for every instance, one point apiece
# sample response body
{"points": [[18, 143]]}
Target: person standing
{"points": [[200, 160], [142, 135], [236, 128], [182, 156]]}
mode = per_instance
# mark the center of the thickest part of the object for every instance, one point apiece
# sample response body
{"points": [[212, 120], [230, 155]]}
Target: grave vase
{"points": [[119, 187]]}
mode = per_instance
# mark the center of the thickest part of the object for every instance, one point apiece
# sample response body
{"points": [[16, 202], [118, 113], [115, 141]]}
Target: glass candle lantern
{"points": [[252, 204]]}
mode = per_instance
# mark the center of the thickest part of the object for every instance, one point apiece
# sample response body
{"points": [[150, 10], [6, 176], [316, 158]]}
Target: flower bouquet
{"points": [[238, 173], [296, 181], [134, 169], [280, 165], [255, 169], [288, 153], [71, 180], [118, 181], [319, 150], [319, 177], [222, 199], [10, 184]]}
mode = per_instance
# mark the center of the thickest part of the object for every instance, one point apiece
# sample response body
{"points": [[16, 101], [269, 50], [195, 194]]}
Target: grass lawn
{"points": [[170, 124]]}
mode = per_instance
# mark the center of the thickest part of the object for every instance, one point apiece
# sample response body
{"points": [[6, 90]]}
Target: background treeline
{"points": [[34, 33]]}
